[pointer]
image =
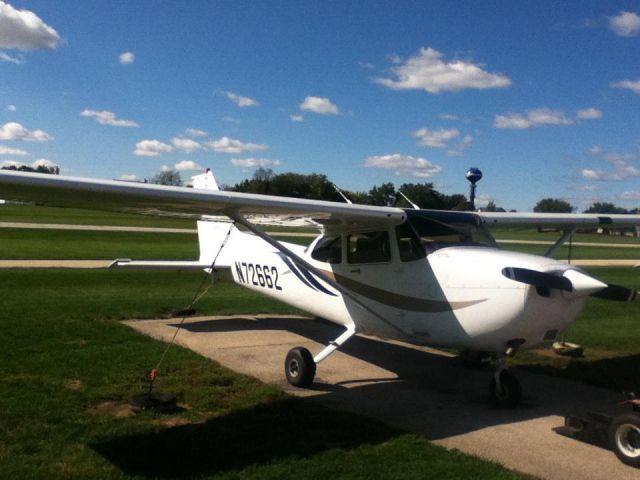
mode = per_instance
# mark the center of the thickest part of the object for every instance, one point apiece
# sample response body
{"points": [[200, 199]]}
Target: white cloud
{"points": [[15, 131], [105, 117], [186, 165], [320, 105], [428, 71], [591, 174], [531, 119], [633, 85], [152, 148], [620, 166], [11, 151], [230, 145], [43, 162], [37, 163], [128, 177], [186, 145], [589, 114], [296, 118], [229, 119], [194, 133], [5, 57], [254, 162], [241, 101], [435, 138], [404, 165], [127, 58], [448, 116], [625, 24], [24, 30], [11, 108], [630, 195]]}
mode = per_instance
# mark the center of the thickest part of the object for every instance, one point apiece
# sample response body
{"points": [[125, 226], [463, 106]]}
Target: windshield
{"points": [[448, 229]]}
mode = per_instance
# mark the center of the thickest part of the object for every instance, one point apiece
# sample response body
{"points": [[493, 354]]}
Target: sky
{"points": [[542, 96]]}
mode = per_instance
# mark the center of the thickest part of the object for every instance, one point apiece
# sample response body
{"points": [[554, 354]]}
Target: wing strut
{"points": [[319, 273]]}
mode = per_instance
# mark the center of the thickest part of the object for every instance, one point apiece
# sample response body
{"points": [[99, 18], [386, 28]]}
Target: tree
{"points": [[605, 207], [382, 196], [553, 205], [168, 177]]}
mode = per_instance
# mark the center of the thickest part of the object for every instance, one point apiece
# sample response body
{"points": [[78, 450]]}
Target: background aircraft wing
{"points": [[565, 221], [148, 198]]}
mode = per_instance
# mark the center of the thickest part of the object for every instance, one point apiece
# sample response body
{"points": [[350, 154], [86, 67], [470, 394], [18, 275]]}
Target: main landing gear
{"points": [[505, 390], [300, 365]]}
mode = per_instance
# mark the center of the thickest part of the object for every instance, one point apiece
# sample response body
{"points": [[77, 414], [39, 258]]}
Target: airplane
{"points": [[425, 277]]}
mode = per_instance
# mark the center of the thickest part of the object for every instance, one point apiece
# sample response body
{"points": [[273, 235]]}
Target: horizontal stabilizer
{"points": [[159, 264]]}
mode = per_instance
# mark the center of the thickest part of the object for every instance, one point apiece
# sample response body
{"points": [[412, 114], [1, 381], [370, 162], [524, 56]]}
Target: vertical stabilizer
{"points": [[205, 181]]}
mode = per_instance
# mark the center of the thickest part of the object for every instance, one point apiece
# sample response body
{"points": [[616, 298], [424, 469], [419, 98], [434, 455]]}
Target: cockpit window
{"points": [[409, 244], [435, 234], [369, 247], [328, 249]]}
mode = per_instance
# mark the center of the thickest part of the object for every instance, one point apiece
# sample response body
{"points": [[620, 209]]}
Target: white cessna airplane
{"points": [[425, 277]]}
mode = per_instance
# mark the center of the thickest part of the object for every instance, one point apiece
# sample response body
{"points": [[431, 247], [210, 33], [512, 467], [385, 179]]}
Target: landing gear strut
{"points": [[300, 365], [505, 390]]}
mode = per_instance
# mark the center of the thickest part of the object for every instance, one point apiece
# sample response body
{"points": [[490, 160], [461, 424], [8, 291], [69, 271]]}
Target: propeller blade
{"points": [[538, 279], [616, 293]]}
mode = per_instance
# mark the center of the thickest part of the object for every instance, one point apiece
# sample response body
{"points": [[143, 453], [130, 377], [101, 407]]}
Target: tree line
{"points": [[317, 186]]}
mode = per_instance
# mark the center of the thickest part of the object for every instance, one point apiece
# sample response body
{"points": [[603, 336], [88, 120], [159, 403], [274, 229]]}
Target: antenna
{"points": [[474, 175], [342, 194], [413, 205]]}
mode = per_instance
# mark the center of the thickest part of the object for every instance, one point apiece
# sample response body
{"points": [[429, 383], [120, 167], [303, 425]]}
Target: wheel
{"points": [[624, 438], [299, 367], [509, 394]]}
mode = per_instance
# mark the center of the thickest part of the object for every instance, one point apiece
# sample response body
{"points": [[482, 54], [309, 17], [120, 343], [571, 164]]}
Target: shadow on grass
{"points": [[262, 435], [621, 374]]}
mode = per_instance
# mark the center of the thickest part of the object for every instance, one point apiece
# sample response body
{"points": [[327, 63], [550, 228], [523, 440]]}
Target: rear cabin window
{"points": [[370, 247], [328, 249]]}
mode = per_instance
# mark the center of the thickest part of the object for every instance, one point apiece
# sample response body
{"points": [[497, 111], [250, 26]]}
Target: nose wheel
{"points": [[505, 390]]}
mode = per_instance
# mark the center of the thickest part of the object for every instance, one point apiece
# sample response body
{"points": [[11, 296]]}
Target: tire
{"points": [[299, 367], [508, 395], [624, 438]]}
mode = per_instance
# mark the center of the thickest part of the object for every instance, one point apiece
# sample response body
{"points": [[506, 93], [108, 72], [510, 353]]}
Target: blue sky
{"points": [[543, 97]]}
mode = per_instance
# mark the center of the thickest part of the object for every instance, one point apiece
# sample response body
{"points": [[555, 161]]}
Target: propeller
{"points": [[538, 279], [574, 282], [616, 293]]}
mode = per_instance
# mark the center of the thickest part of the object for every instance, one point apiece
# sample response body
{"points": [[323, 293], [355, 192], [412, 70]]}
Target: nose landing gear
{"points": [[505, 390]]}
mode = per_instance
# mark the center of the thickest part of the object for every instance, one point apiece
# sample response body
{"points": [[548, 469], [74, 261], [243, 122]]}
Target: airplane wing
{"points": [[56, 190], [563, 221]]}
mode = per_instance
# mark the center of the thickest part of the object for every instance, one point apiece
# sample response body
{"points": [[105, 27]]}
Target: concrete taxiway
{"points": [[417, 389]]}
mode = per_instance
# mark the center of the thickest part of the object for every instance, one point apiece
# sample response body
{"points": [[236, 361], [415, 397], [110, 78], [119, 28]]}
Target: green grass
{"points": [[577, 252], [532, 234], [78, 216], [18, 243], [63, 356]]}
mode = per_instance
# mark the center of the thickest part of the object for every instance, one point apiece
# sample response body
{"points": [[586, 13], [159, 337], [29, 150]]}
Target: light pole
{"points": [[473, 175]]}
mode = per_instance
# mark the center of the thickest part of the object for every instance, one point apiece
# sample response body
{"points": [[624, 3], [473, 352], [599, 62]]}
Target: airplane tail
{"points": [[205, 181], [212, 237]]}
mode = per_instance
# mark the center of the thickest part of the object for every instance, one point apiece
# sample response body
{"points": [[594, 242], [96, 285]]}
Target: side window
{"points": [[408, 244], [370, 247], [328, 249]]}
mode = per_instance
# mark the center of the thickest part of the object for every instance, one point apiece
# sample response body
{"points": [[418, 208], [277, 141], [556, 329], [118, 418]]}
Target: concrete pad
{"points": [[418, 389]]}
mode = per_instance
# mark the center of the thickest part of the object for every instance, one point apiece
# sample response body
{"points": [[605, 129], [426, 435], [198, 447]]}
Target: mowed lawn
{"points": [[67, 369]]}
